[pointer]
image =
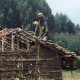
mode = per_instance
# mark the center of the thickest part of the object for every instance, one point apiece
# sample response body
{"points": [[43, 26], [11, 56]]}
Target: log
{"points": [[3, 43]]}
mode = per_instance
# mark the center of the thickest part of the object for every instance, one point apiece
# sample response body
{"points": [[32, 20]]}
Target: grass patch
{"points": [[68, 76]]}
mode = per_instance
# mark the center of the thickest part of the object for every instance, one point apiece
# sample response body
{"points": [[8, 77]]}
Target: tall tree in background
{"points": [[22, 13], [78, 27], [57, 23], [9, 16], [64, 19], [64, 24], [71, 27]]}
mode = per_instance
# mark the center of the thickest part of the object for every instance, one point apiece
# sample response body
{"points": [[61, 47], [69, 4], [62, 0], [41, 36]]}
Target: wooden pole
{"points": [[13, 42], [28, 45], [3, 51], [3, 44], [17, 43], [38, 60]]}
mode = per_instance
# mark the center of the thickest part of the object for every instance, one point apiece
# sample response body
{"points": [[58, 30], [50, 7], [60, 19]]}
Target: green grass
{"points": [[78, 57], [68, 76]]}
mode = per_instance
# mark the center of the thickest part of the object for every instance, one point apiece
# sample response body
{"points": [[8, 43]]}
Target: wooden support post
{"points": [[28, 45], [3, 44], [38, 59], [13, 43], [22, 64], [3, 51], [17, 43], [71, 66]]}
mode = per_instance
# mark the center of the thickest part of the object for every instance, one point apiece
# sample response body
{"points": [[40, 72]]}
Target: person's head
{"points": [[40, 17]]}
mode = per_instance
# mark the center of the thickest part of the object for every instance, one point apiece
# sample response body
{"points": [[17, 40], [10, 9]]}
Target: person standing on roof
{"points": [[41, 29]]}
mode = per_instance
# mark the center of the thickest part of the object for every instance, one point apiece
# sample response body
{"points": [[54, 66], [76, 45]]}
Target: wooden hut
{"points": [[24, 56]]}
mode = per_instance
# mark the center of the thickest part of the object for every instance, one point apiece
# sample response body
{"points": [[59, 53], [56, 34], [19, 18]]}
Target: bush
{"points": [[78, 64]]}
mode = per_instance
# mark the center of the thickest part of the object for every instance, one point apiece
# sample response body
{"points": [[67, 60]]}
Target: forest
{"points": [[22, 13]]}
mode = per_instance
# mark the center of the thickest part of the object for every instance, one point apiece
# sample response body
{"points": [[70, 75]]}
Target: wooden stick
{"points": [[17, 43], [13, 42], [2, 43]]}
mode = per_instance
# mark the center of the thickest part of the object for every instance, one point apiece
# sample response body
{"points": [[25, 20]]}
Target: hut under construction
{"points": [[26, 57]]}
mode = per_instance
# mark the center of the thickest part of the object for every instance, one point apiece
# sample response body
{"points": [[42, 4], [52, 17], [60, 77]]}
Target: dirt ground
{"points": [[68, 76]]}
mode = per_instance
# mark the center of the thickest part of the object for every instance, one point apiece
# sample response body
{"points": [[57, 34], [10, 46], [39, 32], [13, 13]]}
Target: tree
{"points": [[77, 27], [22, 13], [71, 27], [57, 23], [64, 24]]}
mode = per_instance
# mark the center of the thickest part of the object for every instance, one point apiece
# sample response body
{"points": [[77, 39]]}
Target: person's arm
{"points": [[36, 29]]}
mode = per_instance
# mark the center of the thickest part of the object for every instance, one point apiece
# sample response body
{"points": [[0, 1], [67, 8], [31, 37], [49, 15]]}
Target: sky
{"points": [[69, 7]]}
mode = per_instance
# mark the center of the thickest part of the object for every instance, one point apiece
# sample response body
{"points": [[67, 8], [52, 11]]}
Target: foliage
{"points": [[22, 13], [78, 27], [64, 24], [22, 76], [16, 78], [69, 41], [78, 64], [18, 66], [40, 78]]}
